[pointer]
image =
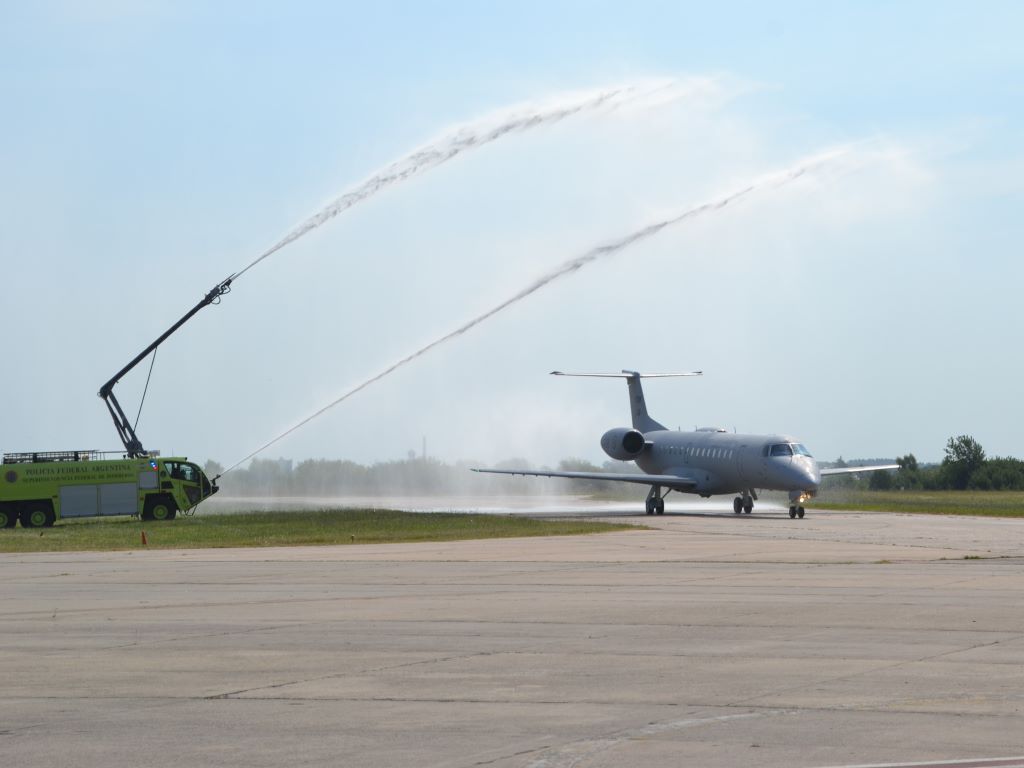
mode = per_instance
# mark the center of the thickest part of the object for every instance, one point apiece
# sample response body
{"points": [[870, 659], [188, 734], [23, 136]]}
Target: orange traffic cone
{"points": [[144, 542]]}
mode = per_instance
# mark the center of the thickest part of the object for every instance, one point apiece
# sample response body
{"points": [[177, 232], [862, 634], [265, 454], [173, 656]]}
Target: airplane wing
{"points": [[851, 470], [669, 481]]}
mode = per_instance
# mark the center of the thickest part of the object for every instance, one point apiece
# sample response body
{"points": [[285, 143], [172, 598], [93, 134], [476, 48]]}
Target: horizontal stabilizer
{"points": [[629, 375], [637, 403]]}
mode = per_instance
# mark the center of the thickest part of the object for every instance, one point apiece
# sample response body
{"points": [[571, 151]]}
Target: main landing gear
{"points": [[796, 512], [744, 503], [655, 501]]}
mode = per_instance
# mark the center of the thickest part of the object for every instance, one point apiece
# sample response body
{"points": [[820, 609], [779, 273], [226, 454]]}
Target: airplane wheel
{"points": [[737, 505], [660, 508], [800, 512], [748, 505], [792, 511], [650, 506]]}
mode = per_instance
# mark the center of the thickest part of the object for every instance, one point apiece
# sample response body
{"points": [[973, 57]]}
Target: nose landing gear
{"points": [[796, 499]]}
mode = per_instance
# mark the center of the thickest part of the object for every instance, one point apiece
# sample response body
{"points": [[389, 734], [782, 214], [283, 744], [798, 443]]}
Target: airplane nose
{"points": [[813, 476], [804, 475]]}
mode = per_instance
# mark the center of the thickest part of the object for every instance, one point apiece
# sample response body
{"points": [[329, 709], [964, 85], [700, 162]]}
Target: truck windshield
{"points": [[185, 472]]}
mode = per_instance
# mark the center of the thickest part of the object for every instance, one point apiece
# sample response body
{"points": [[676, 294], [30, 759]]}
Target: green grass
{"points": [[984, 503], [285, 529]]}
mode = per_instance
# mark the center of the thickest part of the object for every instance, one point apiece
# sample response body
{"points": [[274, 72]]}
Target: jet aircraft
{"points": [[706, 462]]}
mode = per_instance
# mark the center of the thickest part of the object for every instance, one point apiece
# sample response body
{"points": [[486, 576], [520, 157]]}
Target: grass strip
{"points": [[286, 529], [980, 503]]}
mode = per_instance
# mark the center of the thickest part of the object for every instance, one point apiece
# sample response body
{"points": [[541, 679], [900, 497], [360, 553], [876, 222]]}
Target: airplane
{"points": [[707, 462]]}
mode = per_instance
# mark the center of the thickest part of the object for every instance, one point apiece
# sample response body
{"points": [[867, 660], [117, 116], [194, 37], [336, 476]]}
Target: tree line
{"points": [[964, 467]]}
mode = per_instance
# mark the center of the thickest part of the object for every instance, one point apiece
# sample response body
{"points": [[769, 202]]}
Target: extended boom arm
{"points": [[125, 431]]}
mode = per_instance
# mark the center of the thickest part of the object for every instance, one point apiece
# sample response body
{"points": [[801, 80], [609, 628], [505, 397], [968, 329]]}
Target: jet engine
{"points": [[623, 443]]}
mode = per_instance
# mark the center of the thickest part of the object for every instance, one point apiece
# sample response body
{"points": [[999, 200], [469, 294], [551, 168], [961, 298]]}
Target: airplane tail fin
{"points": [[637, 403]]}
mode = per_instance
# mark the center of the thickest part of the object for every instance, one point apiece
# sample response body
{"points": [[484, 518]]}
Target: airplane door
{"points": [[751, 465]]}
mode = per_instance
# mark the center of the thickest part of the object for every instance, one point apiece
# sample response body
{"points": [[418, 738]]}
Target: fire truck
{"points": [[40, 488]]}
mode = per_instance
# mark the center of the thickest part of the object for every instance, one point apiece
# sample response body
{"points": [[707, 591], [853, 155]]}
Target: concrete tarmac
{"points": [[841, 639]]}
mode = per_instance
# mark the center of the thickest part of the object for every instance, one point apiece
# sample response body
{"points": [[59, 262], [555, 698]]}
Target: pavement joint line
{"points": [[513, 754], [881, 668], [187, 638], [680, 580], [275, 601], [573, 752], [810, 536], [980, 762], [1015, 635], [339, 675], [795, 709], [476, 590]]}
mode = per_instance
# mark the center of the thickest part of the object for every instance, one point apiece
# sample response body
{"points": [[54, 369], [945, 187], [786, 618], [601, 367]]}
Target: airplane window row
{"points": [[710, 453]]}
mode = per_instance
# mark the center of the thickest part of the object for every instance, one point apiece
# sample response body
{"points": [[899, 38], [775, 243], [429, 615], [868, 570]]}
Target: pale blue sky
{"points": [[150, 149]]}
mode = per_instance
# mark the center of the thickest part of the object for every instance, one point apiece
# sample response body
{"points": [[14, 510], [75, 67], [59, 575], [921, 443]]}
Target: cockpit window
{"points": [[801, 450], [782, 449]]}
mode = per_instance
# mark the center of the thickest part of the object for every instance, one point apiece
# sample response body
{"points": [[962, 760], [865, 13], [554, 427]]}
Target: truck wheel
{"points": [[160, 508], [8, 517], [37, 515]]}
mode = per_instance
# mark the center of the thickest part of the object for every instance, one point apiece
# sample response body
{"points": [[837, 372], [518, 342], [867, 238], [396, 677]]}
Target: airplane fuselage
{"points": [[719, 462]]}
